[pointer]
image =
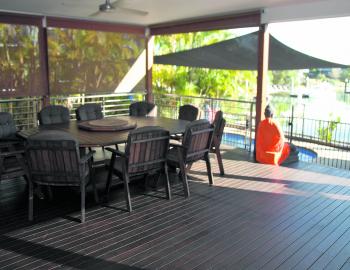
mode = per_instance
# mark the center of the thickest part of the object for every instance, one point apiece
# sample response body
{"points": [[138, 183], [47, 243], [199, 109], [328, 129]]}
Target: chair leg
{"points": [[30, 196], [167, 182], [188, 167], [82, 202], [127, 192], [184, 180], [183, 173], [221, 165], [210, 174], [109, 177]]}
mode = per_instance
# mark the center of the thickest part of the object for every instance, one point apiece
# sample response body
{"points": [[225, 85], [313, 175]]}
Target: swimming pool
{"points": [[240, 141]]}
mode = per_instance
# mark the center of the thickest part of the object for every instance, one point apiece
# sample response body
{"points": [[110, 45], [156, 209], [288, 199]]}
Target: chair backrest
{"points": [[197, 140], [142, 108], [219, 125], [53, 114], [7, 125], [146, 149], [53, 158], [91, 111], [188, 112]]}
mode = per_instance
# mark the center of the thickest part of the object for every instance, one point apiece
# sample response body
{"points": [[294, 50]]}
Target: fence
{"points": [[323, 142], [238, 114]]}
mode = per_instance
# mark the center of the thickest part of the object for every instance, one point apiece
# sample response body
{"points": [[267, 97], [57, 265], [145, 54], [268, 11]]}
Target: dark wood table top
{"points": [[104, 138]]}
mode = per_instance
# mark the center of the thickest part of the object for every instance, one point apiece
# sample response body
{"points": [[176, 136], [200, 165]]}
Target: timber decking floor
{"points": [[255, 217]]}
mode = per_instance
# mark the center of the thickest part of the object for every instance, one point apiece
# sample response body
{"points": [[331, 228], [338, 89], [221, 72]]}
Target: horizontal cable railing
{"points": [[319, 141], [24, 110], [112, 104], [238, 114]]}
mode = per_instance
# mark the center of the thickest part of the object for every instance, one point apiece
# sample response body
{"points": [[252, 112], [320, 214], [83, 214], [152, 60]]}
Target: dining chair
{"points": [[53, 114], [195, 146], [12, 161], [145, 153], [142, 108], [54, 160], [219, 125], [189, 112], [90, 111]]}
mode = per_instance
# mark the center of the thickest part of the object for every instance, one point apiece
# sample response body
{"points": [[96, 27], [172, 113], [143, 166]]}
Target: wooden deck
{"points": [[256, 217]]}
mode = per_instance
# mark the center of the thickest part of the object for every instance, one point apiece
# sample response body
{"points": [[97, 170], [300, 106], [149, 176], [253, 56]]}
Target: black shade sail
{"points": [[241, 54]]}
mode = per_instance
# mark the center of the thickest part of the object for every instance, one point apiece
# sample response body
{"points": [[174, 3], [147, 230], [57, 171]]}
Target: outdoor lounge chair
{"points": [[142, 108], [90, 111], [54, 160], [219, 125], [12, 161], [189, 112], [195, 146], [53, 114], [145, 153]]}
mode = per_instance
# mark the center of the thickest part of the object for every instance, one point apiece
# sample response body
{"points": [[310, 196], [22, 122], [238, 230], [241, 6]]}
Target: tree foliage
{"points": [[200, 81]]}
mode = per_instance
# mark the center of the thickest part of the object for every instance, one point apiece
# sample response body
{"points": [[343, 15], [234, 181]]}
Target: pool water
{"points": [[238, 140]]}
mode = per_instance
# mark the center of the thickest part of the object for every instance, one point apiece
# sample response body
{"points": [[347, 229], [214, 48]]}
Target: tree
{"points": [[200, 81]]}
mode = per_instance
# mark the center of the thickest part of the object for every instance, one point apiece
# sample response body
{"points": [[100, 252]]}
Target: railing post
{"points": [[291, 125], [103, 106], [251, 127]]}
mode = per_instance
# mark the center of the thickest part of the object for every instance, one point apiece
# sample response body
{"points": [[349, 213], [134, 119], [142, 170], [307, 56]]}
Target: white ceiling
{"points": [[159, 11]]}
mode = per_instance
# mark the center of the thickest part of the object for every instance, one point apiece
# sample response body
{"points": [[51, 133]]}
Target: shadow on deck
{"points": [[255, 217]]}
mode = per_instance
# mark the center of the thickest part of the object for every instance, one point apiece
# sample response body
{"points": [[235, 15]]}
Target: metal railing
{"points": [[330, 140], [113, 104], [238, 113], [24, 110]]}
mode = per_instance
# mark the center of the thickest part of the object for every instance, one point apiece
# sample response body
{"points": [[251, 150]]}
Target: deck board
{"points": [[255, 217]]}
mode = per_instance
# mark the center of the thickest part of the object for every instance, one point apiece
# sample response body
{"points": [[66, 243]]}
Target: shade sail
{"points": [[241, 54]]}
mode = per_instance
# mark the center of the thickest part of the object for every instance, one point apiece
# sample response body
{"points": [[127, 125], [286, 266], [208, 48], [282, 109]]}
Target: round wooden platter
{"points": [[107, 124]]}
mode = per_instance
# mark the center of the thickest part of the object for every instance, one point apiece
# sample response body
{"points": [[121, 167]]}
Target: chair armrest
{"points": [[115, 151], [86, 157], [12, 153], [7, 142]]}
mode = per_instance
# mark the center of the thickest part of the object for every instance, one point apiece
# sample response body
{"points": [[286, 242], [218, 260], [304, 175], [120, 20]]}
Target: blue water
{"points": [[239, 141]]}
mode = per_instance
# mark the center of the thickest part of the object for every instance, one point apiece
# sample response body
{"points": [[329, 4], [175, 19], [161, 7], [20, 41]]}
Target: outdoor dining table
{"points": [[102, 136]]}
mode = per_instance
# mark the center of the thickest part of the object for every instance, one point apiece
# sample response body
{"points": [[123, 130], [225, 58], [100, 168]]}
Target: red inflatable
{"points": [[271, 147]]}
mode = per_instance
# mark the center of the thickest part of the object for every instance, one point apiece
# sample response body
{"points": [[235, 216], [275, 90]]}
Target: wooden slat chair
{"points": [[12, 161], [195, 146], [53, 114], [145, 153], [189, 112], [142, 108], [219, 125], [54, 160], [90, 111]]}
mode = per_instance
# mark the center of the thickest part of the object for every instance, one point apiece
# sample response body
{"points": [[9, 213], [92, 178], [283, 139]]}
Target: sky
{"points": [[328, 39]]}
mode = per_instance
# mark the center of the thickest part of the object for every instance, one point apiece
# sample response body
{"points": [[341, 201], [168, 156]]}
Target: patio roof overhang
{"points": [[241, 54], [168, 17]]}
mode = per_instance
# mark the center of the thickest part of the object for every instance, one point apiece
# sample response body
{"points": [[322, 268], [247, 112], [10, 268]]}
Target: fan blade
{"points": [[116, 5], [134, 11]]}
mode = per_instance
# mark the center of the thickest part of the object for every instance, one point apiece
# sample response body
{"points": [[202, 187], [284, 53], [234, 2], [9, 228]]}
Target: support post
{"points": [[263, 61], [44, 61], [149, 65]]}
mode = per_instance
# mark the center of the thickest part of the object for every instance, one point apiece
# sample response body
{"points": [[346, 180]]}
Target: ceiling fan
{"points": [[109, 6]]}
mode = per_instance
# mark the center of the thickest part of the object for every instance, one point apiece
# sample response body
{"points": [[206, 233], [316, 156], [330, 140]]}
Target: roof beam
{"points": [[94, 25], [15, 18], [249, 19]]}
